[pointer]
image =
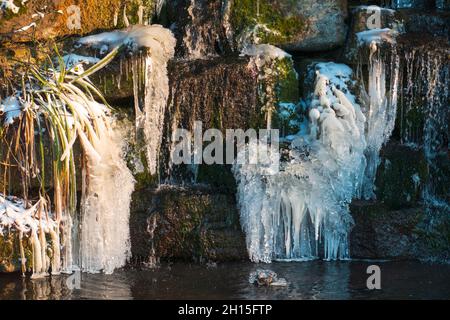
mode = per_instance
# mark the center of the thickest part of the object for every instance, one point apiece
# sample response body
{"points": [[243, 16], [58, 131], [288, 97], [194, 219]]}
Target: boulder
{"points": [[410, 233], [206, 28], [381, 233], [194, 224], [266, 278], [305, 25]]}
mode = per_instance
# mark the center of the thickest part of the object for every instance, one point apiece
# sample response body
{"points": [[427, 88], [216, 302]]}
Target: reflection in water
{"points": [[306, 280]]}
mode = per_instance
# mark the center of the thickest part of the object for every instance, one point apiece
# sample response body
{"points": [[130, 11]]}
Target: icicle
{"points": [[382, 108]]}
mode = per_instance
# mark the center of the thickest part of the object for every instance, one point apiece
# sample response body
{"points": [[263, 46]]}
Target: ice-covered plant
{"points": [[39, 125]]}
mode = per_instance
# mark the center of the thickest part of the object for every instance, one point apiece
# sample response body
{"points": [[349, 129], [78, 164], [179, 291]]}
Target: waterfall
{"points": [[301, 212]]}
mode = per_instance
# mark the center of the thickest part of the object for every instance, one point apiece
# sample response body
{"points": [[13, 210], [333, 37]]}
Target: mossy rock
{"points": [[383, 233], [47, 19], [191, 224], [420, 232], [287, 97], [305, 25]]}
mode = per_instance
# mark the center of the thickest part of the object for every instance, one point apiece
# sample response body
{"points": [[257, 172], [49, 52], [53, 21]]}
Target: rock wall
{"points": [[210, 82]]}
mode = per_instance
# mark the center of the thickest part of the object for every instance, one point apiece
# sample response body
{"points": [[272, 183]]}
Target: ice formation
{"points": [[301, 212], [37, 224], [151, 90], [381, 97], [107, 188]]}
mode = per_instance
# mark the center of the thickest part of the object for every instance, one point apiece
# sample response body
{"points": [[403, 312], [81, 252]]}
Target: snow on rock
{"points": [[9, 5], [72, 60], [262, 277], [264, 53]]}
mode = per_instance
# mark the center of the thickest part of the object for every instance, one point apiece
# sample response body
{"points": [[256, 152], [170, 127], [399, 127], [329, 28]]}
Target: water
{"points": [[306, 280]]}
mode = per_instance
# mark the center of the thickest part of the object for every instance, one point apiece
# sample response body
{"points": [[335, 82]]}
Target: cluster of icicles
{"points": [[107, 184], [302, 212]]}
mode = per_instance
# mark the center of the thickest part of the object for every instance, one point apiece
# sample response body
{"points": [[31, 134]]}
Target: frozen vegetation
{"points": [[64, 99]]}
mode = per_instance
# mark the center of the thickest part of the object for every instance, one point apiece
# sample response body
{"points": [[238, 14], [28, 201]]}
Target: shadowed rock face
{"points": [[189, 224], [222, 93], [383, 233], [199, 27]]}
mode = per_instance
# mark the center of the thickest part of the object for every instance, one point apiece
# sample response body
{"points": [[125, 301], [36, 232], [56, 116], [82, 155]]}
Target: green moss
{"points": [[280, 28], [287, 81], [133, 10]]}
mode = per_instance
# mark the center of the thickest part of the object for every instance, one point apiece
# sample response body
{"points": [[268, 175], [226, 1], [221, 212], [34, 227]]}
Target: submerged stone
{"points": [[263, 277]]}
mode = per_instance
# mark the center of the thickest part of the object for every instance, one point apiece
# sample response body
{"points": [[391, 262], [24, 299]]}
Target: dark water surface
{"points": [[306, 280]]}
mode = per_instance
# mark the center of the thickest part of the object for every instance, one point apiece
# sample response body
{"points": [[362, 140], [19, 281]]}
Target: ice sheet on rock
{"points": [[155, 37], [376, 36], [382, 95]]}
